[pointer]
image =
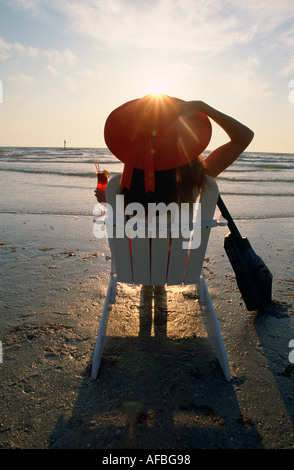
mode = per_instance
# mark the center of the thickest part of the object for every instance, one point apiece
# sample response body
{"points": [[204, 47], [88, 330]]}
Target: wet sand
{"points": [[160, 385]]}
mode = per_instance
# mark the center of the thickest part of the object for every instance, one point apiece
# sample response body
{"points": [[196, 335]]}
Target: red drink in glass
{"points": [[102, 180]]}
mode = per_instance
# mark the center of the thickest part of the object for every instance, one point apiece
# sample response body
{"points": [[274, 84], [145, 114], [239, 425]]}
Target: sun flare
{"points": [[157, 88]]}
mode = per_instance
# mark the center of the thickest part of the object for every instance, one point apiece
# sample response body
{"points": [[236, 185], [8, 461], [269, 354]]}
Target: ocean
{"points": [[40, 180]]}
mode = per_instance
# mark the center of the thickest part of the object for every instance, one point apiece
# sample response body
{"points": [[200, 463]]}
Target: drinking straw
{"points": [[97, 166]]}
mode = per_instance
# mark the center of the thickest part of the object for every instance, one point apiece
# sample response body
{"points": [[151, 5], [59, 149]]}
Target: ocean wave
{"points": [[233, 179], [237, 168], [55, 154], [55, 213], [92, 174], [52, 172], [89, 214], [234, 193], [272, 166], [248, 161], [60, 161]]}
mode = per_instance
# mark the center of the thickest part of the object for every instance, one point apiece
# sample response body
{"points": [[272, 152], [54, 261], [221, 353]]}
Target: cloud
{"points": [[288, 69], [89, 73], [205, 27], [22, 78], [4, 50], [54, 57], [52, 70], [71, 84], [30, 51], [36, 8], [164, 24], [246, 81], [181, 25], [58, 64], [202, 26], [286, 41], [60, 58]]}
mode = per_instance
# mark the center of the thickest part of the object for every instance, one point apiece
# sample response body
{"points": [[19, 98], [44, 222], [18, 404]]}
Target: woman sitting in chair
{"points": [[160, 140]]}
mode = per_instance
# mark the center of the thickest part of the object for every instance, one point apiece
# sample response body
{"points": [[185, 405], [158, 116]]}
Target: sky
{"points": [[66, 64]]}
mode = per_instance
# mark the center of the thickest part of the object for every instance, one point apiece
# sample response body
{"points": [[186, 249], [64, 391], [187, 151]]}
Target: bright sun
{"points": [[157, 88]]}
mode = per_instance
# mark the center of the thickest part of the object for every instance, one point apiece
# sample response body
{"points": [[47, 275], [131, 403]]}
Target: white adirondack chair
{"points": [[169, 264]]}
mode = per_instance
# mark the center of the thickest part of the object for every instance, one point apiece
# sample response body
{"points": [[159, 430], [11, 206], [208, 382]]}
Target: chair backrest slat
{"points": [[120, 250], [208, 200], [119, 246], [159, 260], [177, 262], [141, 260]]}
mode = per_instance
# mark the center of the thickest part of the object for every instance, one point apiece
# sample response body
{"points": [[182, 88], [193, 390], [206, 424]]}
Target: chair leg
{"points": [[214, 330], [110, 298], [113, 277], [202, 290], [113, 291]]}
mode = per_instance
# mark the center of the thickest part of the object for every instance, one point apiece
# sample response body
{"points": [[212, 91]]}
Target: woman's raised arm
{"points": [[240, 137]]}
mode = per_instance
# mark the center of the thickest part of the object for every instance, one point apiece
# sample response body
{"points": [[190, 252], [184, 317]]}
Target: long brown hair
{"points": [[177, 185]]}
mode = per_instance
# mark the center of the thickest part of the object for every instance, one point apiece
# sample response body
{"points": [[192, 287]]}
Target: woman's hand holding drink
{"points": [[102, 180]]}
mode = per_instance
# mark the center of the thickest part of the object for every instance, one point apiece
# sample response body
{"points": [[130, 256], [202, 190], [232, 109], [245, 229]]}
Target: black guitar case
{"points": [[252, 275]]}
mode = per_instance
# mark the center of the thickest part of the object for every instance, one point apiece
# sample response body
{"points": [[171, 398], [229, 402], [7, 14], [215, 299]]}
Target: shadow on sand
{"points": [[153, 392], [274, 331]]}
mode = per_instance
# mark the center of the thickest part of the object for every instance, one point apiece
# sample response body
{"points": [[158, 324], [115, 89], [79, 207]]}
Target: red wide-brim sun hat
{"points": [[150, 134]]}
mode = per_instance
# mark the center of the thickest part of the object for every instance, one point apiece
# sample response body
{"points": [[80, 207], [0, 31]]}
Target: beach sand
{"points": [[160, 386]]}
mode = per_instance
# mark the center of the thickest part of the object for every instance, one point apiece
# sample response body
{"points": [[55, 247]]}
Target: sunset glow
{"points": [[236, 56]]}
